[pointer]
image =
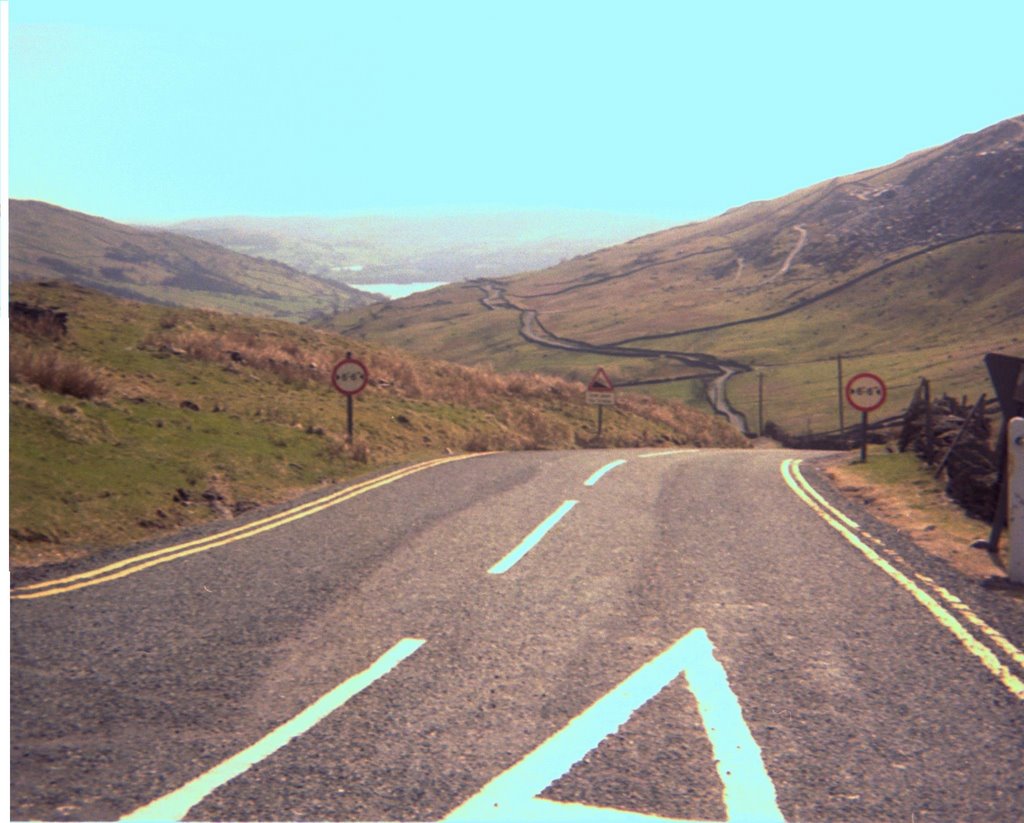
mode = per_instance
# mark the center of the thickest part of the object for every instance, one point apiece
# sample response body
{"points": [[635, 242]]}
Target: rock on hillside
{"points": [[971, 186]]}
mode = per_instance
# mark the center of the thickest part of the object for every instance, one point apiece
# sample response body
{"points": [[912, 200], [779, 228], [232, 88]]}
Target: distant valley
{"points": [[416, 249]]}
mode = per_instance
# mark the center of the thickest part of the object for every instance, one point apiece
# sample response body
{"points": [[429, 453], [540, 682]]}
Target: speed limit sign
{"points": [[866, 392], [349, 376]]}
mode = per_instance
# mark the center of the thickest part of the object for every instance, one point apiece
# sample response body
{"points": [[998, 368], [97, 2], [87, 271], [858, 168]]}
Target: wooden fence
{"points": [[954, 436]]}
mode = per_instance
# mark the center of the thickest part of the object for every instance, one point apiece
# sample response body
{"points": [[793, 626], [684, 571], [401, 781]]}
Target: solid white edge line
{"points": [[985, 655], [992, 634]]}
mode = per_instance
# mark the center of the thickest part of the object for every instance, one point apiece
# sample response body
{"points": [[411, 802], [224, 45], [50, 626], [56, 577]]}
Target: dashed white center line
{"points": [[532, 539], [601, 472]]}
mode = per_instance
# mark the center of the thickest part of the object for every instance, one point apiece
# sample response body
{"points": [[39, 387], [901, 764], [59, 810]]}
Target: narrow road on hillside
{"points": [[784, 268], [697, 635]]}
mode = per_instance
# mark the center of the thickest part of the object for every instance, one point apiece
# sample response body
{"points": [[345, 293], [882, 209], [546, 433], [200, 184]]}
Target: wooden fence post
{"points": [[959, 435]]}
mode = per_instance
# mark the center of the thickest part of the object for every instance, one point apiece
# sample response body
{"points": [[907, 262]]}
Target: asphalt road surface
{"points": [[590, 635]]}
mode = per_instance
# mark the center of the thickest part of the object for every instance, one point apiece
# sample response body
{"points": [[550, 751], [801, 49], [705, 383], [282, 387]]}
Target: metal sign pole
{"points": [[839, 369], [600, 393], [349, 405], [864, 437]]}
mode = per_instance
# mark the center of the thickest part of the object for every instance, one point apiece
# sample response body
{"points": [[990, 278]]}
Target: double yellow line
{"points": [[859, 538], [123, 568]]}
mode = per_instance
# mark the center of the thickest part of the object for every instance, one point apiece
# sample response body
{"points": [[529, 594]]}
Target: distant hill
{"points": [[914, 269], [408, 249], [48, 242]]}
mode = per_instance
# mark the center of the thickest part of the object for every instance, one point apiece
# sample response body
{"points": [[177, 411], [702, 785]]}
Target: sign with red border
{"points": [[600, 390], [866, 391], [349, 376]]}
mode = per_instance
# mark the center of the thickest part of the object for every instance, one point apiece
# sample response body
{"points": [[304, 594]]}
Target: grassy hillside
{"points": [[49, 242], [915, 269], [140, 420]]}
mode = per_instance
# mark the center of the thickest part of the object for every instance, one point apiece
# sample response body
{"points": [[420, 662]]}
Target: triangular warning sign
{"points": [[600, 382], [748, 791]]}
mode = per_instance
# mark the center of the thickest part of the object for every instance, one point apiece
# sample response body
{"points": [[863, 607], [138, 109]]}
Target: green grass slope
{"points": [[142, 420]]}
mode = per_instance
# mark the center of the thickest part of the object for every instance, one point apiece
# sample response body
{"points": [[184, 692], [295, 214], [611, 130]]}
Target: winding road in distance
{"points": [[619, 635], [717, 372]]}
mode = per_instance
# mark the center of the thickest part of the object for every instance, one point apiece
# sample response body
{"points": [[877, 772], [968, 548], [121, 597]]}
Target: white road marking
{"points": [[749, 794], [601, 472], [175, 806], [856, 537], [668, 453], [532, 539]]}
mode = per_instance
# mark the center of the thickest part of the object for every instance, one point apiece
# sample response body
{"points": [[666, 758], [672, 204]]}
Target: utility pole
{"points": [[839, 394], [760, 404]]}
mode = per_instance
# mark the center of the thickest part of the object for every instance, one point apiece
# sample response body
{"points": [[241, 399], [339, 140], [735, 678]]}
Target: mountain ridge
{"points": [[51, 242]]}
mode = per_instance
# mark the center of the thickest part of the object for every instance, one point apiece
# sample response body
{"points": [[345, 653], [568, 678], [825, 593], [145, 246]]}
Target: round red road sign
{"points": [[865, 391], [349, 376]]}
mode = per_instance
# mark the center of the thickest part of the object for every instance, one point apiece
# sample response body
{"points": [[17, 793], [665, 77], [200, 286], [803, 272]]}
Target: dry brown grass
{"points": [[56, 372], [391, 370], [520, 425], [920, 509], [286, 360]]}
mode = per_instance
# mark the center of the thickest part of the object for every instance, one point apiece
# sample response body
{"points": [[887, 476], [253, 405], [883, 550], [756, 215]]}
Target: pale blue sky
{"points": [[147, 110]]}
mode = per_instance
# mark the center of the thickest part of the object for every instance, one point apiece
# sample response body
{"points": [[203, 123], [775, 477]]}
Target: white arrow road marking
{"points": [[749, 794]]}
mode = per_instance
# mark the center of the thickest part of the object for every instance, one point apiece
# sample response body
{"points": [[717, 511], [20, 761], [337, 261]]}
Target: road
{"points": [[784, 268], [594, 635]]}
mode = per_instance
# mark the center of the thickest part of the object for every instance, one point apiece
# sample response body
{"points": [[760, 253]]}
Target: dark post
{"points": [[348, 404], [600, 419], [929, 429], [1007, 374], [760, 404], [864, 437], [839, 369]]}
